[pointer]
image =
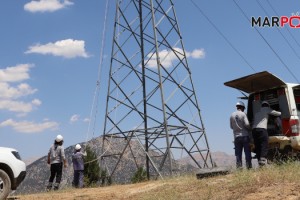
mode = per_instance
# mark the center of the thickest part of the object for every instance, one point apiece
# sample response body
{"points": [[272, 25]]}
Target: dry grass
{"points": [[272, 182]]}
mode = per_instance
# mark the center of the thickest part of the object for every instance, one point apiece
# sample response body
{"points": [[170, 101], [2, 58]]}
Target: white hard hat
{"points": [[240, 103], [77, 147], [59, 138], [265, 102]]}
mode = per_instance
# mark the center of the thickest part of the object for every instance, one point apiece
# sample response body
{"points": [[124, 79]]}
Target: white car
{"points": [[284, 132], [12, 171]]}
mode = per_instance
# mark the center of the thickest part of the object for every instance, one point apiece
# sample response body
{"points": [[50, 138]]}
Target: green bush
{"points": [[92, 171], [139, 176]]}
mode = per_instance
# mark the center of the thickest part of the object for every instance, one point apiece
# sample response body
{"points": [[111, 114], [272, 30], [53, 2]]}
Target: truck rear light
{"points": [[294, 124], [256, 97]]}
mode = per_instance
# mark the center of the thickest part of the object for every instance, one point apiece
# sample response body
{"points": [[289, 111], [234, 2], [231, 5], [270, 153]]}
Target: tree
{"points": [[92, 171], [139, 176]]}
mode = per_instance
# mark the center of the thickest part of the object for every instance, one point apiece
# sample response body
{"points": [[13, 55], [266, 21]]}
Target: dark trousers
{"points": [[78, 178], [240, 143], [261, 140], [56, 171]]}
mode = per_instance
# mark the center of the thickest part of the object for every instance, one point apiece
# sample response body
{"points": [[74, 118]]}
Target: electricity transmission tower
{"points": [[151, 101]]}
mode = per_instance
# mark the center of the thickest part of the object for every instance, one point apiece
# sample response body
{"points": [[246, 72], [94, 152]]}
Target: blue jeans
{"points": [[78, 178], [240, 143], [261, 140]]}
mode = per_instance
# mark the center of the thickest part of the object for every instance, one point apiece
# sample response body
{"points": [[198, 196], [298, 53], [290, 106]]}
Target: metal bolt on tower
{"points": [[152, 114]]}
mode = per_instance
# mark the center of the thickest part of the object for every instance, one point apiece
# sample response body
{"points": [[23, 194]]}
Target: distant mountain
{"points": [[220, 159], [223, 159], [38, 172], [30, 160]]}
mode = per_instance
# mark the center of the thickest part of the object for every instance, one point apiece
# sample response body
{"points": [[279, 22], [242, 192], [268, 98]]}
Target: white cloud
{"points": [[46, 5], [15, 73], [168, 57], [18, 106], [12, 93], [68, 48], [86, 119], [8, 92], [196, 54], [36, 102], [74, 118], [29, 127]]}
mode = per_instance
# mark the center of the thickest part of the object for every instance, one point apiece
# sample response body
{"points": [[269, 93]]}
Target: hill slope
{"points": [[38, 172]]}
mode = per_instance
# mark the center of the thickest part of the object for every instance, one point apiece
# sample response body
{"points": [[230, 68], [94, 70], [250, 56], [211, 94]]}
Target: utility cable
{"points": [[224, 37], [97, 89], [292, 36], [285, 39], [284, 64]]}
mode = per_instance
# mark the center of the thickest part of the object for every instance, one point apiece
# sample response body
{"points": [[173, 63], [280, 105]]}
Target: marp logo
{"points": [[293, 21]]}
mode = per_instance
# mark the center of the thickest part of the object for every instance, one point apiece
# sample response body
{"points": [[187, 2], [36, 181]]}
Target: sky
{"points": [[51, 52]]}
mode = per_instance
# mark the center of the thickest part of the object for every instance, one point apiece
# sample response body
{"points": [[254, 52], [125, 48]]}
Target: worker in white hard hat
{"points": [[260, 133], [241, 131], [78, 166], [56, 159]]}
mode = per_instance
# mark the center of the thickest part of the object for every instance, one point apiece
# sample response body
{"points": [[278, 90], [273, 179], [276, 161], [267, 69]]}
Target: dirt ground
{"points": [[177, 188], [278, 192], [110, 192]]}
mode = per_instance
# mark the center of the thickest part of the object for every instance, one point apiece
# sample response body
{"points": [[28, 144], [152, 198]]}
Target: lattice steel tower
{"points": [[151, 99]]}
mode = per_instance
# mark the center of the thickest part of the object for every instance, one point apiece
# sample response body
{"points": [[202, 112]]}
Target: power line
{"points": [[224, 37], [286, 28], [94, 109], [289, 44], [285, 65]]}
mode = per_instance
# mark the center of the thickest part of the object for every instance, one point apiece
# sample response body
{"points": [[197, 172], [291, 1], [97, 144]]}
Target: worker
{"points": [[78, 166], [260, 133], [56, 159], [239, 123]]}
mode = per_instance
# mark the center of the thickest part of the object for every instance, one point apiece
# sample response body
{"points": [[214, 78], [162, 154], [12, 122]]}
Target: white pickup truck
{"points": [[284, 132], [12, 171]]}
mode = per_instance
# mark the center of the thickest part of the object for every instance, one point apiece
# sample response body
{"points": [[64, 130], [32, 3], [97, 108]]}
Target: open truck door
{"points": [[256, 82], [285, 97]]}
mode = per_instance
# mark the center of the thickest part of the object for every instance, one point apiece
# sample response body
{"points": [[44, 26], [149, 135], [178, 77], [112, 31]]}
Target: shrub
{"points": [[92, 170], [139, 176]]}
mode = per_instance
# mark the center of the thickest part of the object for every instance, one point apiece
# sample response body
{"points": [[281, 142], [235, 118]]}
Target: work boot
{"points": [[249, 165], [263, 161], [56, 186], [49, 186]]}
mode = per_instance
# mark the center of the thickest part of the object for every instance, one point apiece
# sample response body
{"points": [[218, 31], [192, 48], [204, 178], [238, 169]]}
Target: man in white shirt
{"points": [[260, 133], [240, 125]]}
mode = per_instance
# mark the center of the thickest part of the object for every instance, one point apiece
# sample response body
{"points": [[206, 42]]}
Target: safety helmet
{"points": [[266, 103], [59, 138], [77, 147], [240, 103]]}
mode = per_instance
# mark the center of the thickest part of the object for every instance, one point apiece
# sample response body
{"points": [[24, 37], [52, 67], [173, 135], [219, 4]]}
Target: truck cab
{"points": [[283, 131]]}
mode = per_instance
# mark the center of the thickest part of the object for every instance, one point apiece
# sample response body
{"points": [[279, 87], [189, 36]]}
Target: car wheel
{"points": [[5, 184]]}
